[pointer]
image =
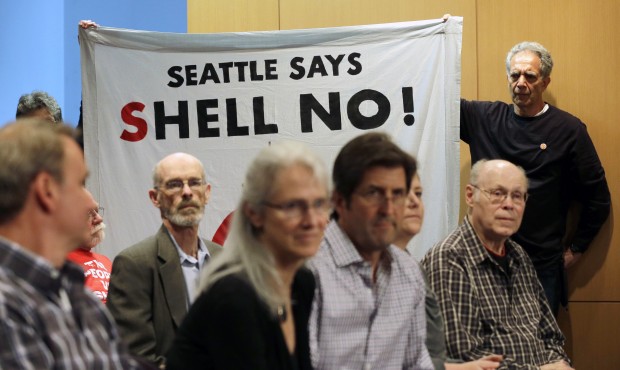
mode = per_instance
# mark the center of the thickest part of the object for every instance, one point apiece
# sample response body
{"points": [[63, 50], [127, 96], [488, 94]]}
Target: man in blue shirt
{"points": [[368, 309]]}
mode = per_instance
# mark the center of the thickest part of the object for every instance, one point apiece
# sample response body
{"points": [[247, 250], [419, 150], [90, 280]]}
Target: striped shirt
{"points": [[49, 320], [358, 324], [487, 309]]}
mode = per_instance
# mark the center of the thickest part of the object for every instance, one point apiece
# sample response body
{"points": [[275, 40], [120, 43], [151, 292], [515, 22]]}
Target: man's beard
{"points": [[184, 220], [97, 235]]}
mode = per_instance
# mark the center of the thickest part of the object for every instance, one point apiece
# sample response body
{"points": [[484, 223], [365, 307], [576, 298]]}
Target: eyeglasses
{"points": [[177, 185], [498, 196], [378, 197], [97, 211], [298, 208]]}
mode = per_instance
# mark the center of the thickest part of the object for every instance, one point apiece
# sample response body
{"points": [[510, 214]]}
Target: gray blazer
{"points": [[147, 294]]}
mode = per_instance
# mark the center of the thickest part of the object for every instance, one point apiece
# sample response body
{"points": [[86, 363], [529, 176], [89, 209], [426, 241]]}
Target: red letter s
{"points": [[138, 123]]}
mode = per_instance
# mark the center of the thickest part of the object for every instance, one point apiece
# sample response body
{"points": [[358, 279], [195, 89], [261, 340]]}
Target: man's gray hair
{"points": [[36, 100], [546, 62], [243, 252], [474, 174]]}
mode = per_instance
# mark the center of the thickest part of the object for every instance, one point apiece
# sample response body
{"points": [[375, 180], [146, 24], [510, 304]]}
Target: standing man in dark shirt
{"points": [[558, 156]]}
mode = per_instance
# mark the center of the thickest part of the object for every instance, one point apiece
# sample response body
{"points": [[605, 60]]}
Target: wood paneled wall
{"points": [[584, 39]]}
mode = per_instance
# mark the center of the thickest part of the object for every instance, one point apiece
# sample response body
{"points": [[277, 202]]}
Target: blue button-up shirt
{"points": [[191, 267], [358, 324]]}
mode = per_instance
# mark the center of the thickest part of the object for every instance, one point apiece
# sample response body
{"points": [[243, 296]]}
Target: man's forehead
{"points": [[180, 168], [181, 173], [506, 185], [73, 155], [384, 177], [506, 178], [524, 60]]}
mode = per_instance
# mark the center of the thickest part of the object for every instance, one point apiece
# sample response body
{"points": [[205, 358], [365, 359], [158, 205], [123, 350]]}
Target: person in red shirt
{"points": [[97, 267]]}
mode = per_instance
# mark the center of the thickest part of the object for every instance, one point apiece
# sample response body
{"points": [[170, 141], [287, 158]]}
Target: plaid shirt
{"points": [[488, 310], [358, 324], [48, 320]]}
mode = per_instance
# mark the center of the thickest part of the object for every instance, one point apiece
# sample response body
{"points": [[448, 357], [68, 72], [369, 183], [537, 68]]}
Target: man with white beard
{"points": [[154, 282], [96, 266]]}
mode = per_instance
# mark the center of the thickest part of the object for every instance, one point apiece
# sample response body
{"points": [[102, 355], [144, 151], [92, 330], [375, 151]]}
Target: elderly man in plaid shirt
{"points": [[490, 297]]}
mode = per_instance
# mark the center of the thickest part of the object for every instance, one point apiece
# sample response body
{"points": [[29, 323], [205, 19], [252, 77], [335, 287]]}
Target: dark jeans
{"points": [[553, 281]]}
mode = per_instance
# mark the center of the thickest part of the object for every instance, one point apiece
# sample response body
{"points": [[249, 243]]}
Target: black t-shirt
{"points": [[561, 164]]}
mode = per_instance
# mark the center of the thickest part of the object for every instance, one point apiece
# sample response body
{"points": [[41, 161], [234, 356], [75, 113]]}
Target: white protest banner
{"points": [[223, 97]]}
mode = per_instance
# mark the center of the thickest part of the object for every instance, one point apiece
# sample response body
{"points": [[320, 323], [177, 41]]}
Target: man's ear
{"points": [[207, 193], [338, 202], [546, 82], [46, 191], [153, 197], [469, 195]]}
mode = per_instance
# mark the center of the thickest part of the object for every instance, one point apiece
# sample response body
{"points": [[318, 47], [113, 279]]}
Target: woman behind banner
{"points": [[256, 300]]}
